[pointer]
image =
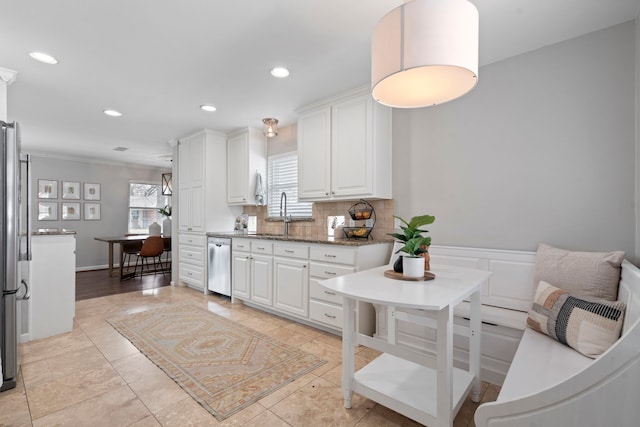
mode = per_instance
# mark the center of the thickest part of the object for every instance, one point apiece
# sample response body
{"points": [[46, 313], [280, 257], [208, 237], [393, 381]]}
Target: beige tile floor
{"points": [[95, 377]]}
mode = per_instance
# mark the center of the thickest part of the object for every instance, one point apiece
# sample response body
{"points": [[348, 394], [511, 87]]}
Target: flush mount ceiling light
{"points": [[208, 108], [43, 57], [280, 72], [425, 52], [270, 127], [112, 113]]}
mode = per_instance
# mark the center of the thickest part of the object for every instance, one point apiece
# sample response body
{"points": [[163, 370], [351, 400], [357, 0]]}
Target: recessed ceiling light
{"points": [[208, 108], [43, 57], [112, 113], [279, 72]]}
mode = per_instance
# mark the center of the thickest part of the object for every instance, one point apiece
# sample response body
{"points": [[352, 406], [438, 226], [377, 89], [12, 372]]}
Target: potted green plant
{"points": [[416, 246], [166, 224]]}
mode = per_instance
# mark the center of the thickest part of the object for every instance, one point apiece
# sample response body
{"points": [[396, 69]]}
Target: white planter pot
{"points": [[413, 267], [166, 227], [154, 229]]}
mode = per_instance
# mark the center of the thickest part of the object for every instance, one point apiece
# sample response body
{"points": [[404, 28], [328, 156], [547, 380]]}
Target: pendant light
{"points": [[425, 52], [167, 184], [270, 127]]}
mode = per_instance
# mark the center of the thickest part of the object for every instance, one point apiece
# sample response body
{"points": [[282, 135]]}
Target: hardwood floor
{"points": [[97, 283]]}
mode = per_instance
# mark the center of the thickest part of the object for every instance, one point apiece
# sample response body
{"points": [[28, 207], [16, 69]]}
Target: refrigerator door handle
{"points": [[26, 256]]}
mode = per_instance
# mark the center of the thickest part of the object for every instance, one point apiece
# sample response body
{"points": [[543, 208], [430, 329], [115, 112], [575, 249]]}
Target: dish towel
{"points": [[260, 193]]}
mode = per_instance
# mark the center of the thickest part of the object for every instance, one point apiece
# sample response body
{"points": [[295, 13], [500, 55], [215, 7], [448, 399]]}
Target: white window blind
{"points": [[283, 177]]}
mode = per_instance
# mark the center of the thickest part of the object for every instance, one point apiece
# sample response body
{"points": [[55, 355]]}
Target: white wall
{"points": [[542, 150], [114, 202]]}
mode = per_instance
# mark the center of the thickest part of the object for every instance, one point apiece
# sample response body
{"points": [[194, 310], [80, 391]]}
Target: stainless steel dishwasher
{"points": [[219, 251]]}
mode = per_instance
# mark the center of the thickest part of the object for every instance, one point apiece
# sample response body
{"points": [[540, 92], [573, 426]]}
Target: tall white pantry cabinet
{"points": [[202, 201]]}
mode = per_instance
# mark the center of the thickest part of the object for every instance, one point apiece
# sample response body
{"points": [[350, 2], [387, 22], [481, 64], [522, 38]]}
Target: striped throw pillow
{"points": [[588, 325]]}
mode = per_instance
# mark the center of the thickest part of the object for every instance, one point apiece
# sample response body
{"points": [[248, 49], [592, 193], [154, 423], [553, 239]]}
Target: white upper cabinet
{"points": [[314, 154], [344, 149], [246, 156], [201, 195]]}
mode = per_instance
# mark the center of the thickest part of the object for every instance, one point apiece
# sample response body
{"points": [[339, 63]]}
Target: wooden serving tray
{"points": [[399, 276]]}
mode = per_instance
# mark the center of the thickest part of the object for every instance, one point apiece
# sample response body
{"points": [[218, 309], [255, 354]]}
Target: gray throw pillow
{"points": [[589, 274]]}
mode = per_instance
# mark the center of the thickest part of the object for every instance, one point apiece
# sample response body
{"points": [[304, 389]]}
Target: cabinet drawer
{"points": [[240, 244], [192, 239], [192, 254], [326, 271], [317, 291], [329, 253], [261, 247], [192, 274], [291, 250], [326, 313]]}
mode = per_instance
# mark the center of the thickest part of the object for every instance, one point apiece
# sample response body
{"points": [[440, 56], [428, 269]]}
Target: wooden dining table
{"points": [[123, 241]]}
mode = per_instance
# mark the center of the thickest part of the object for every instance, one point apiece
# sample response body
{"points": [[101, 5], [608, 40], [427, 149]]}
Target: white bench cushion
{"points": [[540, 362]]}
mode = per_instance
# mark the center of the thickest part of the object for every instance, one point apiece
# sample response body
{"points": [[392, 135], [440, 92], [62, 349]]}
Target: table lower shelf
{"points": [[408, 388]]}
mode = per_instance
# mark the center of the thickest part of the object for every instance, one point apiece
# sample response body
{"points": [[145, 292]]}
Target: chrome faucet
{"points": [[287, 219]]}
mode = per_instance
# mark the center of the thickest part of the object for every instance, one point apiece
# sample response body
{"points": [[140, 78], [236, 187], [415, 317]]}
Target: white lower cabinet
{"points": [[241, 274], [261, 279], [291, 283], [252, 270], [284, 276], [192, 249], [52, 280]]}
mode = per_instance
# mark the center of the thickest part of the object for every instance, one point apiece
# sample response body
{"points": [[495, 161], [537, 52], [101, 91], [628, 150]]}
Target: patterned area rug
{"points": [[223, 365]]}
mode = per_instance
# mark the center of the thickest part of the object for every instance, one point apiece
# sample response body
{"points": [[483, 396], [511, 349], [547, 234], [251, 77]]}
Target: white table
{"points": [[424, 387]]}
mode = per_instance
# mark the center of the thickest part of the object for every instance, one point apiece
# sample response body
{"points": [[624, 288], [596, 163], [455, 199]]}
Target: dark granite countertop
{"points": [[52, 232], [302, 239]]}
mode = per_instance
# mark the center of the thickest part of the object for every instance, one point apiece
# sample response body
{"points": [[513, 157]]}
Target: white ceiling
{"points": [[157, 61]]}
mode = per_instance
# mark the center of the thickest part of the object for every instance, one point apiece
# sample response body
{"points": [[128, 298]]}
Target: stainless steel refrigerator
{"points": [[15, 246]]}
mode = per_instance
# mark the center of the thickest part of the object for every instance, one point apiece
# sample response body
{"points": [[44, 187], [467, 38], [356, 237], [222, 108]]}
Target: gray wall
{"points": [[542, 150], [114, 203]]}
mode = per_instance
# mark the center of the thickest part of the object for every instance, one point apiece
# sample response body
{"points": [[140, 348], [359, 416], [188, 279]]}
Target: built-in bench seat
{"points": [[550, 384]]}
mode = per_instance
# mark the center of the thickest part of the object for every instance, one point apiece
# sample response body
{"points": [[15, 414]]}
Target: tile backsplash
{"points": [[316, 227]]}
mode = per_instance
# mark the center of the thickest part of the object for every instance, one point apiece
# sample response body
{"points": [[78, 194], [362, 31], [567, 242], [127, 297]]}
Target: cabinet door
{"points": [[184, 205], [261, 279], [196, 183], [314, 154], [291, 280], [237, 163], [191, 155], [241, 268], [352, 148]]}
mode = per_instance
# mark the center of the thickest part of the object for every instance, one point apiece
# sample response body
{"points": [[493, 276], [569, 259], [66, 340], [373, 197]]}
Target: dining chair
{"points": [[129, 249], [153, 247]]}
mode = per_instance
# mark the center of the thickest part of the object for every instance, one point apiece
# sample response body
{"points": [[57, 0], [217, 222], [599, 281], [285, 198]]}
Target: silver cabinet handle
{"points": [[259, 248], [288, 251], [329, 293], [329, 256], [330, 316], [330, 273]]}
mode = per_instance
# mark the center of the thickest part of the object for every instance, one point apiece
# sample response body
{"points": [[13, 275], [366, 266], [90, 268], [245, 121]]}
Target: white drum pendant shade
{"points": [[424, 53]]}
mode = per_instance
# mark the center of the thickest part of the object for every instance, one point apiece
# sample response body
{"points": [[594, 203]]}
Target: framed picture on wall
{"points": [[70, 190], [47, 189], [70, 211], [47, 211], [92, 211], [91, 191]]}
